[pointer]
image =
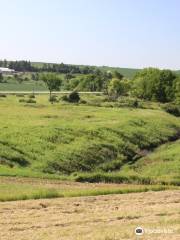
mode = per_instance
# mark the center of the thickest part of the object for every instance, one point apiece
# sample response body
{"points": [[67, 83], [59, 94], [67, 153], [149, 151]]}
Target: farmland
{"points": [[98, 217]]}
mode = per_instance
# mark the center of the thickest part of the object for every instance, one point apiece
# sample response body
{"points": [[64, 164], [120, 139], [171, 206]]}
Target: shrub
{"points": [[64, 98], [20, 95], [22, 100], [83, 101], [32, 95], [172, 109], [27, 101], [74, 97], [3, 95], [53, 99], [135, 103], [30, 101]]}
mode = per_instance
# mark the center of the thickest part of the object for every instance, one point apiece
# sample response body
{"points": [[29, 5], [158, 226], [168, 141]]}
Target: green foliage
{"points": [[172, 109], [30, 100], [1, 77], [154, 84], [74, 97], [32, 95], [53, 98], [118, 88], [52, 81], [2, 95], [64, 98], [177, 90], [118, 75]]}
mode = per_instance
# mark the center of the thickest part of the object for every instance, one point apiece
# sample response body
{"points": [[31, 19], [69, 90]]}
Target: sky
{"points": [[119, 33]]}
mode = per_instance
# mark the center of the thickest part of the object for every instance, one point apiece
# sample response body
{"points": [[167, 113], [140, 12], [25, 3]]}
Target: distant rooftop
{"points": [[3, 69]]}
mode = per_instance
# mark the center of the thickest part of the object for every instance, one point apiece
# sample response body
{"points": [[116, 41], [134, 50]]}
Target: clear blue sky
{"points": [[125, 33]]}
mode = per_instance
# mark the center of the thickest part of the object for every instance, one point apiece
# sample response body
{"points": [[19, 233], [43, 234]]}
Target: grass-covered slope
{"points": [[64, 139], [164, 162]]}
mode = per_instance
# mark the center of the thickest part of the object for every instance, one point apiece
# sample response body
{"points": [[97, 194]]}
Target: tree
{"points": [[154, 84], [117, 88], [1, 78], [144, 83], [118, 75], [35, 76], [18, 78], [52, 81], [177, 90], [164, 91]]}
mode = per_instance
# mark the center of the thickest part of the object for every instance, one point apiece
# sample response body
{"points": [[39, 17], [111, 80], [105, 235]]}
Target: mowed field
{"points": [[111, 217]]}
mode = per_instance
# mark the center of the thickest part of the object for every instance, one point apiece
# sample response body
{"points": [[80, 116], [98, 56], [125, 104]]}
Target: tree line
{"points": [[27, 66], [149, 84]]}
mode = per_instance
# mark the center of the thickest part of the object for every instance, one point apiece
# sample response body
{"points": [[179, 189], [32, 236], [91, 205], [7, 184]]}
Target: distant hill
{"points": [[127, 72]]}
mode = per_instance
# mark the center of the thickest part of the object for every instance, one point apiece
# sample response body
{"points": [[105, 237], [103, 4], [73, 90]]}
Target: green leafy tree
{"points": [[164, 91], [52, 81], [177, 90], [117, 88], [118, 75], [144, 83], [154, 84], [1, 78]]}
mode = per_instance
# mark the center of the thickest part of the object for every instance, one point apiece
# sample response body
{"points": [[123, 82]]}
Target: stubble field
{"points": [[95, 218]]}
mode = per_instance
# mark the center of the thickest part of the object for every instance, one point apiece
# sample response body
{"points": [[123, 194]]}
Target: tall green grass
{"points": [[56, 140], [24, 191]]}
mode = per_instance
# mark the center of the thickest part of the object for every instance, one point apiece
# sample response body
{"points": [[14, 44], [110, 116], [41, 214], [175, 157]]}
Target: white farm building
{"points": [[4, 70]]}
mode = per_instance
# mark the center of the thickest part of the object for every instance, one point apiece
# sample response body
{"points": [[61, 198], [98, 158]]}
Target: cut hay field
{"points": [[111, 217]]}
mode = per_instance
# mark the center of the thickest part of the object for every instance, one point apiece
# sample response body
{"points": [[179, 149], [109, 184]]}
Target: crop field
{"points": [[111, 217]]}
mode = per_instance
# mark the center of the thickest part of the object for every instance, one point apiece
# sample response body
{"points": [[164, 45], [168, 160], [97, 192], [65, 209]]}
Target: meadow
{"points": [[88, 142]]}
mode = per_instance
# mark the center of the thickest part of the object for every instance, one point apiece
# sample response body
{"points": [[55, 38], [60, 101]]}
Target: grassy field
{"points": [[84, 142], [111, 217], [30, 85], [19, 188]]}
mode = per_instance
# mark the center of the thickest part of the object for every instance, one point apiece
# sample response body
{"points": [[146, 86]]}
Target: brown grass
{"points": [[111, 217]]}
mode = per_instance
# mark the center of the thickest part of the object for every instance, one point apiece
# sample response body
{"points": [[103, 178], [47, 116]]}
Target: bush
{"points": [[20, 95], [135, 103], [22, 100], [3, 95], [172, 109], [27, 101], [32, 96], [30, 101], [64, 98], [83, 101], [74, 97], [53, 99]]}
